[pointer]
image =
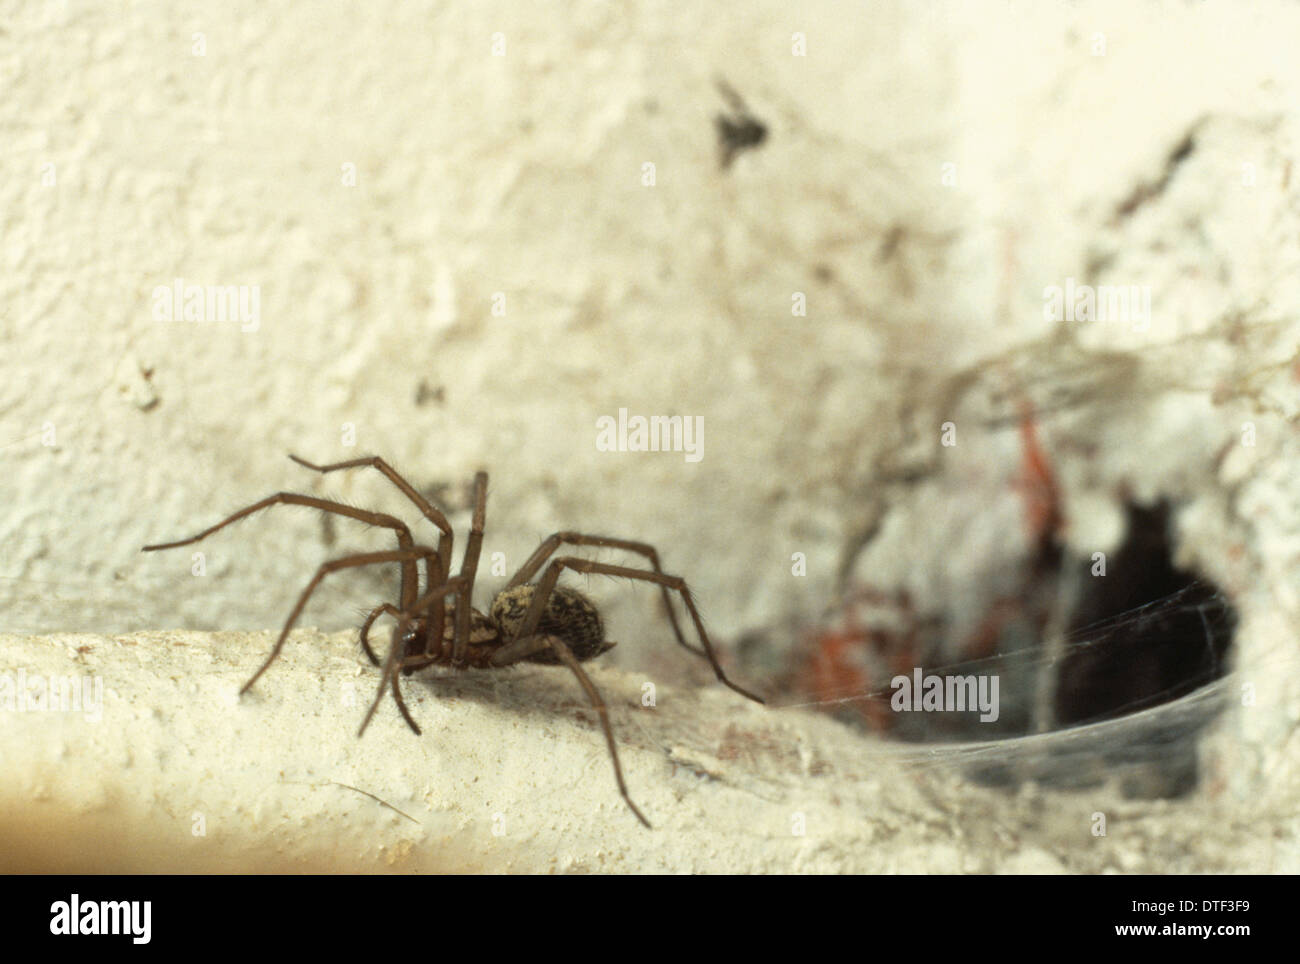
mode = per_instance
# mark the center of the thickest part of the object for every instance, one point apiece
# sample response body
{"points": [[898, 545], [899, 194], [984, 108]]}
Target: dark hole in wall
{"points": [[1171, 652], [1159, 654], [1144, 634]]}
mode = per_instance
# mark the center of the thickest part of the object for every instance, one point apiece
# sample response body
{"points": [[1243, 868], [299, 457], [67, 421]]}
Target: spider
{"points": [[528, 621]]}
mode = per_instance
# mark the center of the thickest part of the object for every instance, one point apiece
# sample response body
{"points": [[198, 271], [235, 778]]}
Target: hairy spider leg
{"points": [[375, 613], [428, 554], [547, 583], [445, 538], [468, 570], [553, 542], [410, 571], [395, 662], [525, 646]]}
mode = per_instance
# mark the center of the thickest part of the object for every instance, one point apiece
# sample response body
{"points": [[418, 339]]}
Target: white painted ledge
{"points": [[517, 752]]}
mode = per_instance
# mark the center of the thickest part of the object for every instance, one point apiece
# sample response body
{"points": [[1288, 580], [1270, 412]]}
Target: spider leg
{"points": [[410, 573], [525, 646], [394, 663], [365, 628], [398, 633], [334, 565], [426, 508], [553, 542], [408, 490], [676, 583], [389, 674], [445, 538], [468, 570]]}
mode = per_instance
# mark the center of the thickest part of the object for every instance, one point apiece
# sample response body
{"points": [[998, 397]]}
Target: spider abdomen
{"points": [[569, 616]]}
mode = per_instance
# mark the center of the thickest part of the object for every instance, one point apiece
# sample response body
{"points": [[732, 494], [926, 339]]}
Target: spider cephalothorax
{"points": [[533, 619], [484, 640]]}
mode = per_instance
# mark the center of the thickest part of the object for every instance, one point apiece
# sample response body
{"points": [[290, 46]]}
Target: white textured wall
{"points": [[128, 161], [475, 174]]}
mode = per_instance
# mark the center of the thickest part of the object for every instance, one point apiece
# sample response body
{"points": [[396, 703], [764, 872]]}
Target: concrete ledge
{"points": [[174, 773]]}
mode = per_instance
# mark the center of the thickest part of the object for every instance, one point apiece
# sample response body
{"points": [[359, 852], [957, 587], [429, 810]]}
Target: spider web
{"points": [[1148, 741]]}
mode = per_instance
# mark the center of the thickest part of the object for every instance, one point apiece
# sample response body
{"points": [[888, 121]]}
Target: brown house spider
{"points": [[536, 622]]}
